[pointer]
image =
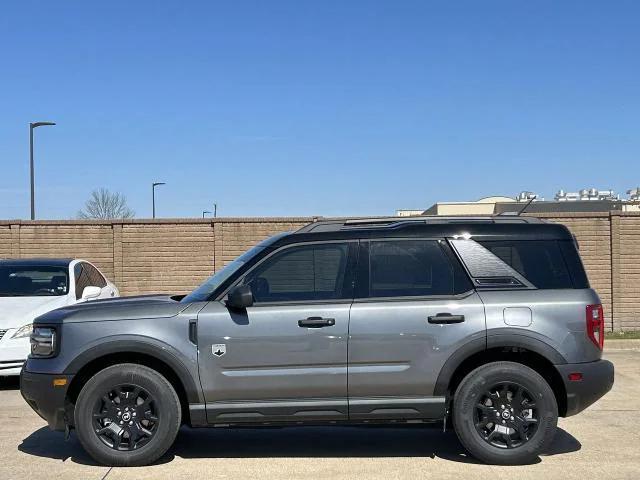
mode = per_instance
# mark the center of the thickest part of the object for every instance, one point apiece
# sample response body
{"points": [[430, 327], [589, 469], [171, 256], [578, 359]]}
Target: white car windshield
{"points": [[33, 281]]}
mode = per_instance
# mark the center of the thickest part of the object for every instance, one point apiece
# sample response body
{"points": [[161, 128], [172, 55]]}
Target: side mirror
{"points": [[240, 297], [90, 293]]}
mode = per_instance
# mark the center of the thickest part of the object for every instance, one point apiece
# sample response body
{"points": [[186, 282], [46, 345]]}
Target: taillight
{"points": [[595, 325]]}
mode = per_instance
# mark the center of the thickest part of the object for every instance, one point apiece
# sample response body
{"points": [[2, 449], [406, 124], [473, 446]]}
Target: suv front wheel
{"points": [[505, 413], [127, 415]]}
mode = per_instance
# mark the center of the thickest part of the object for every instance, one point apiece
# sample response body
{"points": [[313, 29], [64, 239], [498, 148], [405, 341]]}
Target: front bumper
{"points": [[597, 380], [13, 353], [45, 399]]}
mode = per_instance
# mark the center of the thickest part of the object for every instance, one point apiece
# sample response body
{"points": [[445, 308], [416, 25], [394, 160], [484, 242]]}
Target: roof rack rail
{"points": [[358, 222], [399, 222]]}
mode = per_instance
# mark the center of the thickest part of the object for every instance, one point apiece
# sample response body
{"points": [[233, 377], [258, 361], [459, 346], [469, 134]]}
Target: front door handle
{"points": [[316, 322], [441, 318]]}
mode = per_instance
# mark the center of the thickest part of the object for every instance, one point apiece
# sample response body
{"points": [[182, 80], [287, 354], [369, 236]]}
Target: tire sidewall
{"points": [[473, 387], [167, 406]]}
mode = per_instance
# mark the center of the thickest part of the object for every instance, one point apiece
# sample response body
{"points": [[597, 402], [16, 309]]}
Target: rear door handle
{"points": [[441, 318], [316, 322]]}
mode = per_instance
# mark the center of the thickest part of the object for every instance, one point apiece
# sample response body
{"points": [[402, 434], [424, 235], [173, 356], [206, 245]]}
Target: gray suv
{"points": [[487, 323]]}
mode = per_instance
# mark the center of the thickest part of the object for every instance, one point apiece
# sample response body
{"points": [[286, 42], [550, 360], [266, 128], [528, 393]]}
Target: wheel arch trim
{"points": [[500, 338], [154, 349]]}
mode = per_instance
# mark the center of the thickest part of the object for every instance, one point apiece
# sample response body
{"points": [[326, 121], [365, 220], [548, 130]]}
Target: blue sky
{"points": [[315, 107]]}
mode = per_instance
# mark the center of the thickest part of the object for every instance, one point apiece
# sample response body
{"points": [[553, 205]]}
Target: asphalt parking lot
{"points": [[602, 442]]}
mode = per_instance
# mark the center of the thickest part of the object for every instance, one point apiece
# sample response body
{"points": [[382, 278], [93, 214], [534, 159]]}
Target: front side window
{"points": [[302, 273], [204, 291], [410, 268], [216, 281], [33, 281]]}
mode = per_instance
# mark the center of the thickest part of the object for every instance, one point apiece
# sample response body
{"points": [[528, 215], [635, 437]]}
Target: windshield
{"points": [[33, 281], [204, 291]]}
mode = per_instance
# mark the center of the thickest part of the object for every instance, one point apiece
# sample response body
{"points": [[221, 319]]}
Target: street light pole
{"points": [[215, 210], [153, 195], [204, 213], [33, 125]]}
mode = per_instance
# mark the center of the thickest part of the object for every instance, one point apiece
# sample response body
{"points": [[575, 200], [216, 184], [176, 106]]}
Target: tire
{"points": [[117, 429], [491, 441]]}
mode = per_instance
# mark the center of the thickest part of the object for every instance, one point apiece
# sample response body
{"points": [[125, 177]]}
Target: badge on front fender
{"points": [[219, 349]]}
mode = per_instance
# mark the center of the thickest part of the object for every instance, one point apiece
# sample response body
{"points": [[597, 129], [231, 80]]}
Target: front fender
{"points": [[166, 339], [128, 344]]}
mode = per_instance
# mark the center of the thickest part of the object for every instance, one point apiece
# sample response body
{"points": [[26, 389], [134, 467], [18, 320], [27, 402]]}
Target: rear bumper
{"points": [[45, 399], [597, 380]]}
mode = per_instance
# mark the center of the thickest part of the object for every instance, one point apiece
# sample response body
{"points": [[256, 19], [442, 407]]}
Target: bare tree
{"points": [[104, 204]]}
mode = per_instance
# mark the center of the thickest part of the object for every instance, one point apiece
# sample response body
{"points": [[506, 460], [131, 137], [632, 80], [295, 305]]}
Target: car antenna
{"points": [[527, 205]]}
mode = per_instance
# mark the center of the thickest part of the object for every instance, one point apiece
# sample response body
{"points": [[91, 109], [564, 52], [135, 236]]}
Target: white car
{"points": [[32, 287]]}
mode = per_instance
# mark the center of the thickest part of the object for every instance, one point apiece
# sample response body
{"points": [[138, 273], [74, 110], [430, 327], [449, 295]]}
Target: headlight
{"points": [[23, 331], [43, 342]]}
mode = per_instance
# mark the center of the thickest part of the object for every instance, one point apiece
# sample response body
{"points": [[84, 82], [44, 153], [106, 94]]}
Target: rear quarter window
{"points": [[547, 264]]}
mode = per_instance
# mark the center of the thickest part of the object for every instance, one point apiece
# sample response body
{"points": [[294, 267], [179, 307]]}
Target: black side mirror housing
{"points": [[240, 297]]}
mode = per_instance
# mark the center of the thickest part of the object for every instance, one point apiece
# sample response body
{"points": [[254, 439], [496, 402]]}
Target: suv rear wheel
{"points": [[505, 413], [127, 415]]}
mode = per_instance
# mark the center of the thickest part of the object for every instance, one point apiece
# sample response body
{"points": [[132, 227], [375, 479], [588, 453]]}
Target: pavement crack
{"points": [[108, 472]]}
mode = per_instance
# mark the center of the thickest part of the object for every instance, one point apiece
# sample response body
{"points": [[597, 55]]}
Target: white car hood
{"points": [[18, 311]]}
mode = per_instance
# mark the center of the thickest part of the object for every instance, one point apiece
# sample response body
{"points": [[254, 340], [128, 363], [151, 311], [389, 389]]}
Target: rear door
{"points": [[414, 307], [285, 357]]}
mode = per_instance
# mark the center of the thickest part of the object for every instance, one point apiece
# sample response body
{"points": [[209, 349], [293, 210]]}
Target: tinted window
{"points": [[204, 291], [413, 268], [574, 264], [539, 261], [309, 272], [33, 281], [95, 277], [82, 278], [87, 276]]}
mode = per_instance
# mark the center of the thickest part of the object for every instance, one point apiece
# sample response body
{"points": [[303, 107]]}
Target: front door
{"points": [[414, 308], [285, 357]]}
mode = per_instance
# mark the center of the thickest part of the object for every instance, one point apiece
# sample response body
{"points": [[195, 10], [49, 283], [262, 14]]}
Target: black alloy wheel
{"points": [[125, 418], [127, 415], [506, 415]]}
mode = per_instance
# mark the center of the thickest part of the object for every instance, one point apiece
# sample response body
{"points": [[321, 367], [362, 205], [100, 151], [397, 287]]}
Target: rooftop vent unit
{"points": [[525, 196], [586, 195]]}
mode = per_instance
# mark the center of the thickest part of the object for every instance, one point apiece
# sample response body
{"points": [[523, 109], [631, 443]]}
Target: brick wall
{"points": [[626, 271], [145, 256], [174, 256]]}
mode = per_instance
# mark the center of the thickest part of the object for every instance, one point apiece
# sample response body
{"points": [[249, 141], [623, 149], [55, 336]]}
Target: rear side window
{"points": [[95, 277], [87, 276], [541, 262], [82, 279], [408, 268]]}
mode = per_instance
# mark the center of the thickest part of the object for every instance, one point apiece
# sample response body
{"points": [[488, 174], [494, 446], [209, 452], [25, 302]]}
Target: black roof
{"points": [[40, 262], [487, 228]]}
